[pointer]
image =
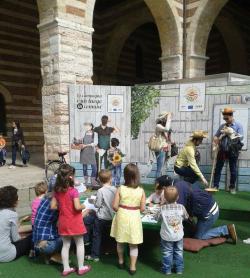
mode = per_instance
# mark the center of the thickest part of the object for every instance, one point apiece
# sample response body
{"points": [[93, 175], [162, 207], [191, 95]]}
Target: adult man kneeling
{"points": [[186, 165]]}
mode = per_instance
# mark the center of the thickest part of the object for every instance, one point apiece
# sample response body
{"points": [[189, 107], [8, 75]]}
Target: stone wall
{"points": [[20, 78]]}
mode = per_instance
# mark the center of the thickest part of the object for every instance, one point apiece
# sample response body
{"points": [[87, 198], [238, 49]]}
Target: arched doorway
{"points": [[3, 128], [228, 46], [114, 22], [139, 59]]}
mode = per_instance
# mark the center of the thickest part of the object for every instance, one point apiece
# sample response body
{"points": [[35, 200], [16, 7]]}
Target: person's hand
{"points": [[82, 146], [204, 181], [150, 205], [22, 146], [216, 140]]}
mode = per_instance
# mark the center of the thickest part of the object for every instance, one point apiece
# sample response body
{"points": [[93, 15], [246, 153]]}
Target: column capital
{"points": [[58, 22], [170, 57]]}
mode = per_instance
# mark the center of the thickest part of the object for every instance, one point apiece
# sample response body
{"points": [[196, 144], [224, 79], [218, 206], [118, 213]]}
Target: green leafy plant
{"points": [[143, 100]]}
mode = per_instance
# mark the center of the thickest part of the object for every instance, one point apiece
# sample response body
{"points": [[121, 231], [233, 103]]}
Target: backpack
{"points": [[156, 143], [231, 146]]}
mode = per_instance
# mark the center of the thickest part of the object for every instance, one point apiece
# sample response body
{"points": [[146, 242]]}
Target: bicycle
{"points": [[53, 165]]}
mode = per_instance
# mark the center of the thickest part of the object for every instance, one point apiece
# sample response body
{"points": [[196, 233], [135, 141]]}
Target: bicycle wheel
{"points": [[51, 168]]}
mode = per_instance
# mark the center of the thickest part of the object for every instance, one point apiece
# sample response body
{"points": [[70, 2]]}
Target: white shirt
{"points": [[172, 216]]}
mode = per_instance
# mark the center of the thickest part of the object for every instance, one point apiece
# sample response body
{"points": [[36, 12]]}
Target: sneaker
{"points": [[12, 167], [232, 191], [179, 273], [89, 258], [232, 232], [247, 241]]}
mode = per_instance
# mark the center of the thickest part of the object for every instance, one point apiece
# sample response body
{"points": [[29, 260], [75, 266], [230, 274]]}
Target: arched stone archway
{"points": [[170, 32], [198, 33], [235, 44], [120, 34], [5, 93]]}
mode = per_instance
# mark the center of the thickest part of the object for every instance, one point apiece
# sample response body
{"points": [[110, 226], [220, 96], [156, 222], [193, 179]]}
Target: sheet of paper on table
{"points": [[90, 205], [148, 218], [80, 187]]}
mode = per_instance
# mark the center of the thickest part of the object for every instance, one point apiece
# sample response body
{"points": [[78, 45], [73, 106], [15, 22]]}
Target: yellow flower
{"points": [[117, 158]]}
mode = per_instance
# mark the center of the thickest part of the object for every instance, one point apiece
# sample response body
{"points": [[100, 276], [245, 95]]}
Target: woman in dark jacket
{"points": [[18, 144]]}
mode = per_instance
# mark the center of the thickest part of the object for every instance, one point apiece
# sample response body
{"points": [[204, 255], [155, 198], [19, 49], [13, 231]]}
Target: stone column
{"points": [[196, 66], [66, 58], [172, 67]]}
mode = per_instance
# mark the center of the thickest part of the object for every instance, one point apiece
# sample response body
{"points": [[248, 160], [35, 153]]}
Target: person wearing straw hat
{"points": [[221, 144], [186, 164], [163, 131]]}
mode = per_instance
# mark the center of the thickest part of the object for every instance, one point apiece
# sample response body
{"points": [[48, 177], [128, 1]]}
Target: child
{"points": [[127, 225], [40, 189], [172, 215], [70, 222], [2, 150], [156, 197], [105, 212], [115, 160]]}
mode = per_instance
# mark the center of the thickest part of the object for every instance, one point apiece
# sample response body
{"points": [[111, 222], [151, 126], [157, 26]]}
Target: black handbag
{"points": [[174, 150]]}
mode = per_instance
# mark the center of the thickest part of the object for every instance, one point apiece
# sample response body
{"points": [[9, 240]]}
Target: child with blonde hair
{"points": [[70, 222], [40, 189], [171, 216]]}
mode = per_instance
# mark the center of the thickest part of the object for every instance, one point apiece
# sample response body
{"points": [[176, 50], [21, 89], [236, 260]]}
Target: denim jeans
{"points": [[2, 156], [51, 247], [116, 175], [188, 174], [105, 158], [233, 171], [93, 170], [160, 159], [172, 255], [100, 226], [89, 221], [204, 228], [15, 149]]}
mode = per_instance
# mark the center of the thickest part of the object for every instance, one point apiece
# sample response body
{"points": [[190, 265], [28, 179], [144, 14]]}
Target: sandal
{"points": [[68, 272], [85, 269]]}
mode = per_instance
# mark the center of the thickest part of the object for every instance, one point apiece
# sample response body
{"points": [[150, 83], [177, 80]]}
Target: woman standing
{"points": [[162, 130], [11, 244], [17, 144], [87, 154]]}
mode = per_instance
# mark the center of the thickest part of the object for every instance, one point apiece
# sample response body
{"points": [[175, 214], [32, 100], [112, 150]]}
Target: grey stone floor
{"points": [[24, 179]]}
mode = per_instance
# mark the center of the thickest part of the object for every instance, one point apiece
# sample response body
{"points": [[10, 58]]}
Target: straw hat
{"points": [[163, 115], [199, 134], [227, 110]]}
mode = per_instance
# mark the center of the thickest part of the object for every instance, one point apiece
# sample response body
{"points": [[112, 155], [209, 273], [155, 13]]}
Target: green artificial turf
{"points": [[224, 261]]}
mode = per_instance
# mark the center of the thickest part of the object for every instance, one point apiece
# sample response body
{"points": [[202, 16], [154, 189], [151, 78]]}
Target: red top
{"points": [[70, 220]]}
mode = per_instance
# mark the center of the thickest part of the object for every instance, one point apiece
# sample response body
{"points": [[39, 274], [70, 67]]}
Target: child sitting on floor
{"points": [[115, 161], [2, 150], [156, 197], [171, 215], [40, 189], [104, 214], [70, 222]]}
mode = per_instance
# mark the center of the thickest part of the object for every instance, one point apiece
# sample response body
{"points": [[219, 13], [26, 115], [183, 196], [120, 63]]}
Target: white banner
{"points": [[192, 97]]}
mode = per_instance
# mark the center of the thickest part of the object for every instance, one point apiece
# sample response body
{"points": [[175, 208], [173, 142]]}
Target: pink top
{"points": [[70, 220], [34, 206]]}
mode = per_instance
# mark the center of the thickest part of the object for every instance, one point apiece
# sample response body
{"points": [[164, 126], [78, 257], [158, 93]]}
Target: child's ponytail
{"points": [[65, 178]]}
